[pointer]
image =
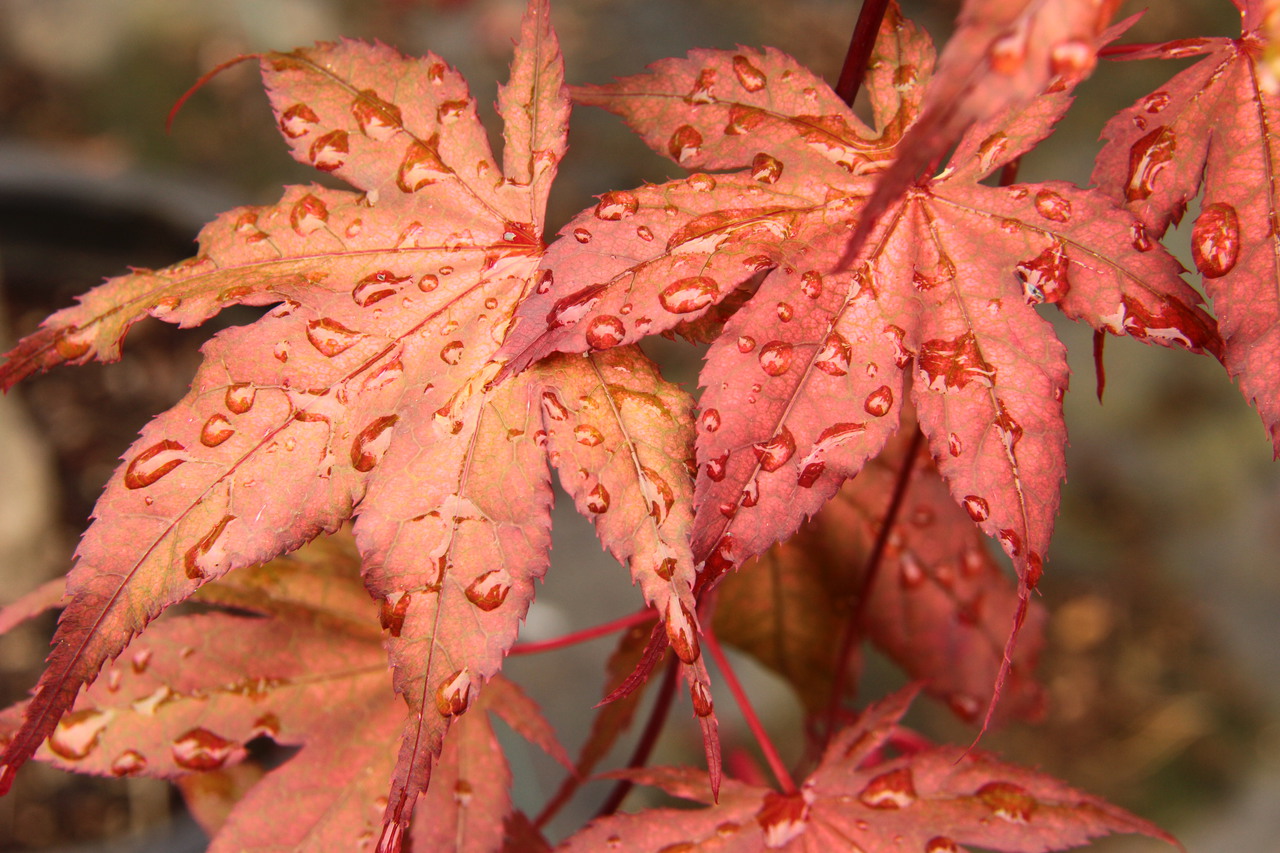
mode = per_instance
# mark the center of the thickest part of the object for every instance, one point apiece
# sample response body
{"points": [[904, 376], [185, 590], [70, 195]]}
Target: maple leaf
{"points": [[366, 393], [1211, 124], [307, 669], [933, 800], [807, 379], [937, 603]]}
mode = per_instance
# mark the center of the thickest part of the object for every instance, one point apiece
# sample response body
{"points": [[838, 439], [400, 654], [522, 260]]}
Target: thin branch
{"points": [[648, 738], [637, 618], [860, 47]]}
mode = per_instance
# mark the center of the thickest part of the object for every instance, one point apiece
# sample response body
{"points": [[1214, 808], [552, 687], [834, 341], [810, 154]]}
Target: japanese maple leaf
{"points": [[1213, 125], [807, 379], [366, 393], [933, 800], [937, 603], [307, 670]]}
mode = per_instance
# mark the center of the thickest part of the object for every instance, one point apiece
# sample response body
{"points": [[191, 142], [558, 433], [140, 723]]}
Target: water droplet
{"points": [[751, 77], [605, 331], [703, 705], [570, 309], [954, 445], [201, 749], [153, 463], [208, 556], [784, 818], [421, 166], [1072, 60], [892, 790], [785, 312], [1045, 277], [684, 144], [376, 287], [746, 344], [1010, 430], [688, 295], [978, 508], [991, 148], [451, 353], [897, 337], [392, 611], [766, 169], [910, 572], [709, 420], [716, 467], [811, 284], [1007, 52], [239, 397], [614, 206], [682, 631], [376, 118], [552, 407], [308, 214], [950, 365], [1010, 541], [1008, 801], [490, 589], [834, 357], [77, 733], [330, 337], [775, 452], [941, 844], [297, 120], [128, 763], [879, 401], [587, 435], [371, 443], [140, 660], [813, 464], [1215, 240], [775, 358], [1052, 205], [597, 500], [450, 111], [216, 430], [329, 152], [657, 493], [701, 182], [1147, 159], [454, 694], [644, 233], [703, 91]]}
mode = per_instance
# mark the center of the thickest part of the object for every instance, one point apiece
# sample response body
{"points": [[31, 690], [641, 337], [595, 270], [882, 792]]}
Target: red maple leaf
{"points": [[1212, 125], [806, 381], [366, 394], [934, 800]]}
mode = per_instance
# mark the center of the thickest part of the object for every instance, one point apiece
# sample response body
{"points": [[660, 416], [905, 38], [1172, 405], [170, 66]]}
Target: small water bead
{"points": [[775, 452], [879, 402], [717, 466], [703, 91], [644, 233], [587, 435], [892, 790], [454, 694], [701, 182], [128, 763], [785, 312], [682, 631], [688, 295], [582, 235], [371, 443], [811, 284], [834, 357], [490, 590], [153, 463], [1148, 157], [685, 144], [296, 121], [1215, 240], [331, 338], [709, 420], [421, 166], [568, 310], [605, 332], [201, 750], [766, 169], [1008, 801], [775, 359], [597, 500], [978, 508], [78, 733], [329, 152], [1053, 206], [614, 206], [746, 344], [208, 555], [392, 611], [749, 76]]}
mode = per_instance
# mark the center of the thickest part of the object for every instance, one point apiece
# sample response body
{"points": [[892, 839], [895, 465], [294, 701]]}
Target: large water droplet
{"points": [[614, 206], [684, 144], [879, 401], [1215, 240], [775, 358], [330, 337], [717, 466], [77, 733], [709, 420], [552, 406], [392, 611], [751, 77], [490, 589], [950, 365], [308, 214], [785, 817], [1045, 277], [892, 790], [376, 287], [657, 494], [1053, 206], [978, 508], [421, 166], [128, 763], [587, 435], [568, 310], [682, 631], [1008, 801], [216, 430], [377, 119], [811, 284], [703, 704], [1148, 157], [597, 500], [208, 555], [834, 357], [605, 332], [766, 169], [297, 120], [775, 452], [451, 353], [200, 749], [703, 91], [688, 295], [153, 463], [329, 152], [371, 443], [454, 694], [941, 844], [814, 462]]}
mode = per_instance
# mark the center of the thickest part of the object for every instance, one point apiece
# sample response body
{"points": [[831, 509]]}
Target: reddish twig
{"points": [[638, 618], [860, 47], [648, 738]]}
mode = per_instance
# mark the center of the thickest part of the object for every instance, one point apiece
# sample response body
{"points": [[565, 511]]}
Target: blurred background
{"points": [[1163, 664]]}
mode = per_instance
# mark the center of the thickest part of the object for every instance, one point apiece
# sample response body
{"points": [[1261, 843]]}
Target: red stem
{"points": [[648, 738], [770, 752], [853, 628], [860, 46], [638, 618]]}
